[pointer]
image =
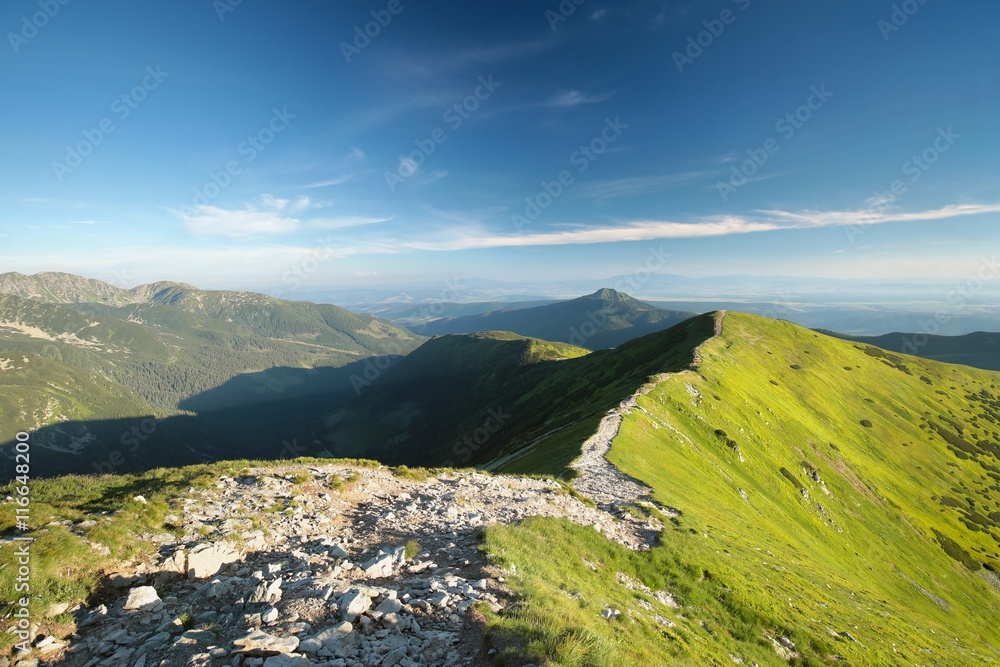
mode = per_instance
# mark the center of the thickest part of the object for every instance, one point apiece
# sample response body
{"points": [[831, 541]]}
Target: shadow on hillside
{"points": [[276, 414]]}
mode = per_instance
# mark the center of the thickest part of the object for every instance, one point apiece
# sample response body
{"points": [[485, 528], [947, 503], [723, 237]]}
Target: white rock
{"points": [[258, 642], [354, 604], [205, 560], [389, 606], [269, 616], [143, 598]]}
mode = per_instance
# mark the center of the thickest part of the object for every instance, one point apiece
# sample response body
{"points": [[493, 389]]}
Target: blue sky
{"points": [[267, 145]]}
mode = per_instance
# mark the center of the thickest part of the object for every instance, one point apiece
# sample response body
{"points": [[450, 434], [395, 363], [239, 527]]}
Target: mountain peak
{"points": [[609, 294]]}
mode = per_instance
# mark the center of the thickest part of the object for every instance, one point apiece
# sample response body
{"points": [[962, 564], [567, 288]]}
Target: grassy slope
{"points": [[36, 392], [868, 559], [554, 394]]}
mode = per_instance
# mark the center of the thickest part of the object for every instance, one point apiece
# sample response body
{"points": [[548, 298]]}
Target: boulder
{"points": [[353, 604], [143, 598], [261, 643], [205, 560]]}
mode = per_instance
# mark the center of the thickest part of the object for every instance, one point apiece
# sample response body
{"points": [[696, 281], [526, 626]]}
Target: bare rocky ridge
{"points": [[273, 569]]}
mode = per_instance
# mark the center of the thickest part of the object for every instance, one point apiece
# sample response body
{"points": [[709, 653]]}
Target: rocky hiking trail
{"points": [[274, 570], [599, 479], [339, 565]]}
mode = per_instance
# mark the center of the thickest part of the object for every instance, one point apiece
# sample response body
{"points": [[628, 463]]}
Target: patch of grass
{"points": [[416, 474], [301, 477], [412, 549]]}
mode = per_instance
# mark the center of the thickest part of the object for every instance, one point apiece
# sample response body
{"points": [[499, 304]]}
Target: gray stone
{"points": [[389, 606], [267, 592], [143, 598], [259, 642], [205, 560], [394, 657], [287, 661], [354, 604]]}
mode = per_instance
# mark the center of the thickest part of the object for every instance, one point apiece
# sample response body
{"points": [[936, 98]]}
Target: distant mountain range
{"points": [[218, 372], [979, 350], [170, 349], [606, 318]]}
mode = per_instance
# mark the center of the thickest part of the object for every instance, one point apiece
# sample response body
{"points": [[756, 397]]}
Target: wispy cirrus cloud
{"points": [[208, 220], [272, 215], [340, 180], [575, 98], [474, 237], [347, 222]]}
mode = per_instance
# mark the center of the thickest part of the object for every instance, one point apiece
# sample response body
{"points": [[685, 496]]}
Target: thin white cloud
{"points": [[809, 219], [573, 98], [648, 230], [326, 184], [633, 231], [346, 222], [250, 221]]}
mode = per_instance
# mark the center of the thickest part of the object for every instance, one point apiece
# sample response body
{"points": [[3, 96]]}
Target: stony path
{"points": [[599, 480], [273, 570]]}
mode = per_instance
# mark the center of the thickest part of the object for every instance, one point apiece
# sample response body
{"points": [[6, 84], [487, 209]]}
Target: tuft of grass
{"points": [[412, 549], [416, 474]]}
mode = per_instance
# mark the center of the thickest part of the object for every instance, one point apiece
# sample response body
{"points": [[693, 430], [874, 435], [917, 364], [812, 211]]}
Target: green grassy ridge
{"points": [[320, 324], [893, 556], [875, 533], [422, 411], [597, 321]]}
